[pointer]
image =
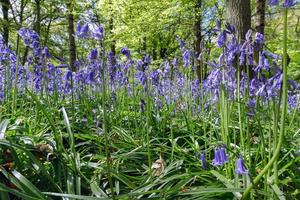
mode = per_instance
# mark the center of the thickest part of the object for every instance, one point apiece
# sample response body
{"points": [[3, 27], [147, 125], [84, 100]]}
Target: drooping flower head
{"points": [[98, 33], [258, 41], [125, 51], [203, 160], [223, 155], [93, 54], [175, 62], [187, 58], [288, 3], [46, 52], [217, 158], [273, 2], [82, 31], [221, 40], [181, 43], [240, 166], [30, 37]]}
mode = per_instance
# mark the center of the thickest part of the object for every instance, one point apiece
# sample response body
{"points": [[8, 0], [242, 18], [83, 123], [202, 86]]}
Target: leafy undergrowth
{"points": [[34, 166]]}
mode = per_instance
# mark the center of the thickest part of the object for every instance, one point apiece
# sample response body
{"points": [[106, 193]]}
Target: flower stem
{"points": [[105, 124], [283, 113]]}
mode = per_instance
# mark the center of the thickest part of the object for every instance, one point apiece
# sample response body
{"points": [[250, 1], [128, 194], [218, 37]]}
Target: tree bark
{"points": [[71, 33], [238, 12], [37, 24], [154, 47], [260, 23], [113, 43], [111, 27], [198, 39], [260, 16], [5, 8]]}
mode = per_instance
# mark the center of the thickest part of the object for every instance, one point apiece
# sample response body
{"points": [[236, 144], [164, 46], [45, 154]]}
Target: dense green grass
{"points": [[73, 164]]}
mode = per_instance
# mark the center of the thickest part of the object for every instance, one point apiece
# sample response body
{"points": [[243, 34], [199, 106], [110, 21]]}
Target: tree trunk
{"points": [[198, 38], [260, 23], [113, 43], [5, 7], [260, 16], [48, 27], [21, 19], [111, 27], [154, 52], [238, 12], [71, 33], [37, 24]]}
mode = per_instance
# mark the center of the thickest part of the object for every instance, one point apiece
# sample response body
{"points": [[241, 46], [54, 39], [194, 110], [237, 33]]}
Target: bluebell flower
{"points": [[203, 160], [78, 27], [68, 75], [147, 60], [46, 52], [247, 50], [181, 43], [175, 62], [251, 107], [293, 100], [82, 31], [289, 3], [158, 103], [223, 155], [125, 52], [93, 54], [166, 69], [273, 2], [221, 40], [98, 33], [240, 166], [230, 28], [139, 65], [154, 75], [258, 41], [217, 158], [233, 50], [186, 58]]}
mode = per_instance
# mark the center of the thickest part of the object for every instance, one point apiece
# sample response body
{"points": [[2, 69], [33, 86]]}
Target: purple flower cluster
{"points": [[89, 31], [220, 156], [166, 84], [286, 4]]}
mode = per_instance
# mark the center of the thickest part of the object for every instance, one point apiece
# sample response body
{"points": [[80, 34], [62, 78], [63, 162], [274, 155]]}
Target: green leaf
{"points": [[227, 183], [3, 127]]}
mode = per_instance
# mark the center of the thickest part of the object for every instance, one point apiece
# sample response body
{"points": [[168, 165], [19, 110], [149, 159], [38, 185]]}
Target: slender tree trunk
{"points": [[260, 22], [21, 19], [154, 48], [71, 33], [48, 28], [37, 24], [5, 7], [260, 16], [198, 39], [113, 43], [162, 49], [238, 12], [111, 28]]}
